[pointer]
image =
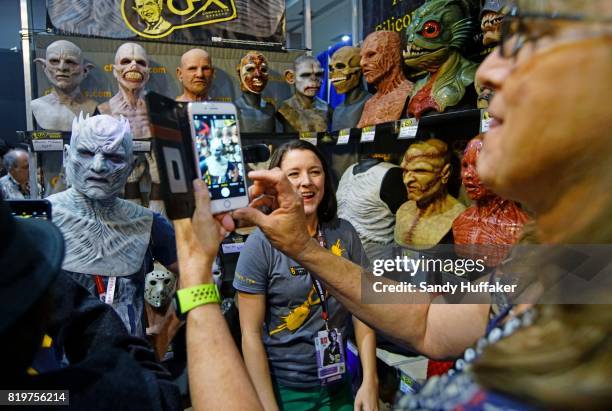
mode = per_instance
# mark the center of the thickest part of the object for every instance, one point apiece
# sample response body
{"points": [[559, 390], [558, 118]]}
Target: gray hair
{"points": [[10, 158]]}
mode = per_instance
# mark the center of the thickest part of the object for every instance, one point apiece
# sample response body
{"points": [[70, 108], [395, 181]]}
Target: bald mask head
{"points": [[306, 76], [131, 67], [381, 52], [64, 66], [426, 167], [196, 72], [99, 158]]}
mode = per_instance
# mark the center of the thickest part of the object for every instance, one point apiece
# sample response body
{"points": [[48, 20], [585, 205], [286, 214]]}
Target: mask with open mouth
{"points": [[253, 72], [434, 42], [131, 68], [344, 69], [491, 17]]}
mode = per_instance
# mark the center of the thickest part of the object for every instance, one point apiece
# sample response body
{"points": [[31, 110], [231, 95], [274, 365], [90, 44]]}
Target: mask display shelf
{"points": [[385, 138]]}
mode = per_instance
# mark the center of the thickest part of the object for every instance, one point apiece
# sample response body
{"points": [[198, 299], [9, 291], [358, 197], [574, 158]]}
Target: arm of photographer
{"points": [[214, 363], [435, 330]]}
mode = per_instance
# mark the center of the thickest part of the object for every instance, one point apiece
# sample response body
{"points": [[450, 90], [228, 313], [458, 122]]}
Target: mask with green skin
{"points": [[439, 31]]}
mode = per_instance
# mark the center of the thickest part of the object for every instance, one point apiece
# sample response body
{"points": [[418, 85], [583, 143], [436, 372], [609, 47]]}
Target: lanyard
{"points": [[318, 286], [107, 295]]}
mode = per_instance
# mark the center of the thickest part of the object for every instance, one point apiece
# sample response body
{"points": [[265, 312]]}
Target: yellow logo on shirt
{"points": [[337, 249]]}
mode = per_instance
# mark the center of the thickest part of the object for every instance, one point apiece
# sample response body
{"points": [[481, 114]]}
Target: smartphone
{"points": [[31, 208], [218, 153]]}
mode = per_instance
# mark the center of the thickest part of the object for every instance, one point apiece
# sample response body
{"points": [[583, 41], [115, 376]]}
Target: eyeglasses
{"points": [[515, 26]]}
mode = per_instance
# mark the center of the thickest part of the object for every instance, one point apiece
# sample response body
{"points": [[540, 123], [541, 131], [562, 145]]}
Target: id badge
{"points": [[331, 362]]}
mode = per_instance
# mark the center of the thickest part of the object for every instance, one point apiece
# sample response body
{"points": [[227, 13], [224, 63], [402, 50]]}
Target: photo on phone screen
{"points": [[219, 154]]}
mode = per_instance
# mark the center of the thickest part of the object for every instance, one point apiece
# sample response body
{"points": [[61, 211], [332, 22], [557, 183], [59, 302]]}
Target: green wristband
{"points": [[189, 298]]}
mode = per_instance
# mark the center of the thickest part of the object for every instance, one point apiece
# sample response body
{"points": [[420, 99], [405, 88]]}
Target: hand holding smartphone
{"points": [[218, 153], [197, 140]]}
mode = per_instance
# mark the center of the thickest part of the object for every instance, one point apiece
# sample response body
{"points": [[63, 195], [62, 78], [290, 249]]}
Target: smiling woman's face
{"points": [[305, 172]]}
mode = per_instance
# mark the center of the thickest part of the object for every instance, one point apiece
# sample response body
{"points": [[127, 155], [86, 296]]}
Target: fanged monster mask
{"points": [[160, 285], [307, 76], [131, 68], [64, 66], [99, 158], [253, 72], [344, 69], [438, 34], [491, 17]]}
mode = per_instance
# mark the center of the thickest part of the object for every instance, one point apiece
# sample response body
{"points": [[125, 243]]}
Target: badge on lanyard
{"points": [[331, 364]]}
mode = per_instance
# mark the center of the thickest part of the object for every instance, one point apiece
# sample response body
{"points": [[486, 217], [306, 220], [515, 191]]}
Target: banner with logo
{"points": [[389, 15], [248, 22]]}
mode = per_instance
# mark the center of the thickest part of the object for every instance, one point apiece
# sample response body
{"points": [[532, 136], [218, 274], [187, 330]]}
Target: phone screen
{"points": [[219, 154]]}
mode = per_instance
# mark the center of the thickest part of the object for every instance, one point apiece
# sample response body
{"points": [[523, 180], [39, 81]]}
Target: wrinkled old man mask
{"points": [[131, 68], [426, 170], [99, 158], [159, 286], [63, 65], [307, 77], [379, 54], [196, 72], [344, 69], [253, 72]]}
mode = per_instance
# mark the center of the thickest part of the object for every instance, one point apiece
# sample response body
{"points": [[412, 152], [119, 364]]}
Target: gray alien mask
{"points": [[160, 285]]}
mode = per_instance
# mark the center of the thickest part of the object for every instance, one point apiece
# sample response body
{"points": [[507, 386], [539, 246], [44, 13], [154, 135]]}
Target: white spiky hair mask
{"points": [[102, 126], [98, 132]]}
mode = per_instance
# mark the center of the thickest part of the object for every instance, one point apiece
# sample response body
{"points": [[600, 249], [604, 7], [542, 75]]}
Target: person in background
{"points": [[4, 148], [15, 185]]}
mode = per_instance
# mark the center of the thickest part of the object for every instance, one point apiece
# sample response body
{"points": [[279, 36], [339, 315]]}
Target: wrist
{"points": [[307, 250], [194, 274], [370, 379]]}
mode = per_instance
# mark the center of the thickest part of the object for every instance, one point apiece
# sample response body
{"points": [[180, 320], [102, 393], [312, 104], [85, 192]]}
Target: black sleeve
{"points": [[90, 332], [392, 190]]}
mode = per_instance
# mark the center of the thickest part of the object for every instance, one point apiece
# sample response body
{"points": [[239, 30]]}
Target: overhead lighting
{"points": [[346, 38]]}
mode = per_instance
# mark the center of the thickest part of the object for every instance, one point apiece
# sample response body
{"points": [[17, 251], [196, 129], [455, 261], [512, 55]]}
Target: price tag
{"points": [[485, 121], [367, 134], [344, 136], [141, 145], [48, 145], [408, 128], [309, 136]]}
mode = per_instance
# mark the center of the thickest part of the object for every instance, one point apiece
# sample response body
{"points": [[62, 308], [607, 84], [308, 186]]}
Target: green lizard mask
{"points": [[438, 33]]}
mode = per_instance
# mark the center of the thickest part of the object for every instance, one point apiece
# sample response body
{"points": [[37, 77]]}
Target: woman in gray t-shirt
{"points": [[281, 312]]}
